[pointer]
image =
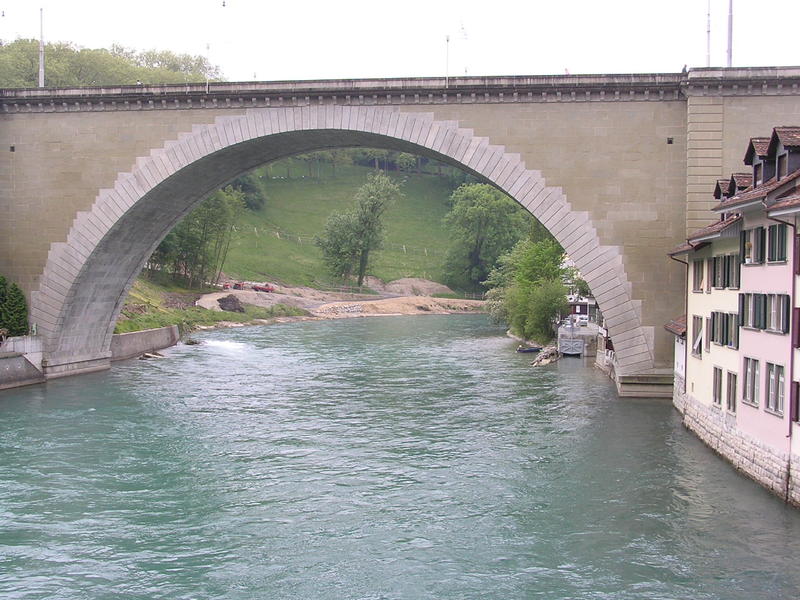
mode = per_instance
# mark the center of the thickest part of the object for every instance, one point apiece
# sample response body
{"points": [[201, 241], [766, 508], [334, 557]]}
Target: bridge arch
{"points": [[86, 278]]}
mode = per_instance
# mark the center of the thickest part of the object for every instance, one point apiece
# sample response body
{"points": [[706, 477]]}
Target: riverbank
{"points": [[403, 297], [355, 306]]}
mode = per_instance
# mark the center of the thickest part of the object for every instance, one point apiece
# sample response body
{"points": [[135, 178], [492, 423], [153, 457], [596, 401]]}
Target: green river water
{"points": [[384, 458]]}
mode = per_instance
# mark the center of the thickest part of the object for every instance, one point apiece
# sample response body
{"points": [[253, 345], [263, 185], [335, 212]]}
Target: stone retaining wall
{"points": [[16, 371], [762, 463], [20, 361], [136, 343]]}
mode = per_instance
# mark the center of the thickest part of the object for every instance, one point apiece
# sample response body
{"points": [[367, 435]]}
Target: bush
{"points": [[13, 309]]}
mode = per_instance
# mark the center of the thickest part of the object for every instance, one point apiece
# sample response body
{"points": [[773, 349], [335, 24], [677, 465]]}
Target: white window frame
{"points": [[731, 392], [750, 381], [733, 330], [697, 336], [716, 394], [775, 388], [698, 272]]}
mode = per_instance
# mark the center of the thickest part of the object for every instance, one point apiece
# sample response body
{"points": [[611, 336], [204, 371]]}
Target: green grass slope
{"points": [[277, 242]]}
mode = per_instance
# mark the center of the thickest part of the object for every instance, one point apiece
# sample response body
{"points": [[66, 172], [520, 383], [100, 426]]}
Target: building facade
{"points": [[739, 388]]}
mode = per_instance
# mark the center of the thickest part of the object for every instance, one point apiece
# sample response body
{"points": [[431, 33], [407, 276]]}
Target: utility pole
{"points": [[708, 36], [41, 47], [446, 60], [730, 33]]}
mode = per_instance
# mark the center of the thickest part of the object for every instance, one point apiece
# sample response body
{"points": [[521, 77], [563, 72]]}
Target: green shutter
{"points": [[741, 308], [785, 301], [741, 246]]}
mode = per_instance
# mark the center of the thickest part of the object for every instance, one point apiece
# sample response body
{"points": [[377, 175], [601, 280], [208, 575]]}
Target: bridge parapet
{"points": [[409, 91]]}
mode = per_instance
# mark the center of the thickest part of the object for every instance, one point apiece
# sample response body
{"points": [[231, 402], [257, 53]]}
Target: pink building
{"points": [[739, 391]]}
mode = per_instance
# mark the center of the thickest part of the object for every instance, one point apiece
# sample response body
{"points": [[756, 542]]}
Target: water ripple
{"points": [[402, 458]]}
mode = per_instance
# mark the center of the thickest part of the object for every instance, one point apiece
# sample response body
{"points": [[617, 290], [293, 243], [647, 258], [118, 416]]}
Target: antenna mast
{"points": [[41, 47], [730, 33], [708, 36], [447, 60]]}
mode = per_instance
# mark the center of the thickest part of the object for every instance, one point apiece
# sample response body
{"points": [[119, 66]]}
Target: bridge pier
{"points": [[56, 366]]}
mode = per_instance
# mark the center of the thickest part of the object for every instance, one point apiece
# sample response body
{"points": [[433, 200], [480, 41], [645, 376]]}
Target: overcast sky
{"points": [[310, 39]]}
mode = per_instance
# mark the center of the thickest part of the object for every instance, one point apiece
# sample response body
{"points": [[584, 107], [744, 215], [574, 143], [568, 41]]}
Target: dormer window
{"points": [[783, 164], [758, 174]]}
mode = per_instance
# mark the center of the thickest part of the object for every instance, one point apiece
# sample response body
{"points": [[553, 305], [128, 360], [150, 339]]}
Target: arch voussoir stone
{"points": [[86, 277]]}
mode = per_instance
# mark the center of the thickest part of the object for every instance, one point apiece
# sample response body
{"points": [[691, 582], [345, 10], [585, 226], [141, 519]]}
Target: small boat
{"points": [[528, 348]]}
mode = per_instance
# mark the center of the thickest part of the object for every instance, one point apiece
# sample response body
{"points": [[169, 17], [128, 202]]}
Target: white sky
{"points": [[310, 39]]}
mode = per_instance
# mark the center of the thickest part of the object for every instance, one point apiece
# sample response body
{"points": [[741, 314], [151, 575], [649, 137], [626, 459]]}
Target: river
{"points": [[384, 458]]}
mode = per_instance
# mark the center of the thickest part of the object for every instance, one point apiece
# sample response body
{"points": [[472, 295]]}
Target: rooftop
{"points": [[757, 147], [755, 194], [713, 230], [677, 326]]}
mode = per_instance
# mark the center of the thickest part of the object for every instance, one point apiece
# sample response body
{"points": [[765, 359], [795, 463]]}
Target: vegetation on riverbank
{"points": [[529, 286], [151, 305]]}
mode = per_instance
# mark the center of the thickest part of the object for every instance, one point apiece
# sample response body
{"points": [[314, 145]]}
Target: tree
{"points": [[252, 194], [195, 250], [534, 310], [13, 309], [407, 162], [3, 296], [484, 223], [339, 244], [67, 65], [16, 312], [527, 290], [349, 238]]}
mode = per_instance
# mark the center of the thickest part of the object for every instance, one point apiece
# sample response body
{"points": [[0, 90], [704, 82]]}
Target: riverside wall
{"points": [[777, 471], [21, 357], [20, 361], [136, 343]]}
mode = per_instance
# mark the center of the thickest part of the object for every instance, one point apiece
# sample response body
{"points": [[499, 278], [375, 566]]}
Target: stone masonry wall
{"points": [[762, 463], [136, 343]]}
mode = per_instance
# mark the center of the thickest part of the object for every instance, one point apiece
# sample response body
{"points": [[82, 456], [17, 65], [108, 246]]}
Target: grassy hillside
{"points": [[277, 242]]}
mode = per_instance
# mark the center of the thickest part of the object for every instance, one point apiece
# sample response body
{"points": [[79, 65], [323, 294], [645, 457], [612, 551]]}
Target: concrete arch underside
{"points": [[86, 278]]}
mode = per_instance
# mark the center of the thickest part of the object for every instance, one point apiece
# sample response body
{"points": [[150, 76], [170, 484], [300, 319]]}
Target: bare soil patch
{"points": [[406, 297]]}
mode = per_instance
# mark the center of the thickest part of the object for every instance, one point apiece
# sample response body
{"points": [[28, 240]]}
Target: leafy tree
{"points": [[407, 162], [252, 194], [541, 305], [484, 223], [527, 290], [67, 65], [339, 244], [195, 250], [539, 261], [349, 238]]}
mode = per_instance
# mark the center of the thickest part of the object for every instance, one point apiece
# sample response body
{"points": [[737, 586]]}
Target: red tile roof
{"points": [[788, 136], [791, 201], [755, 194], [714, 228], [680, 249], [677, 326], [721, 189], [742, 180], [756, 147]]}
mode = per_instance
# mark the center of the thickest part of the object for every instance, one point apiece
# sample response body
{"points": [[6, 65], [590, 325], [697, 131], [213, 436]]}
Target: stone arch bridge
{"points": [[617, 167]]}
